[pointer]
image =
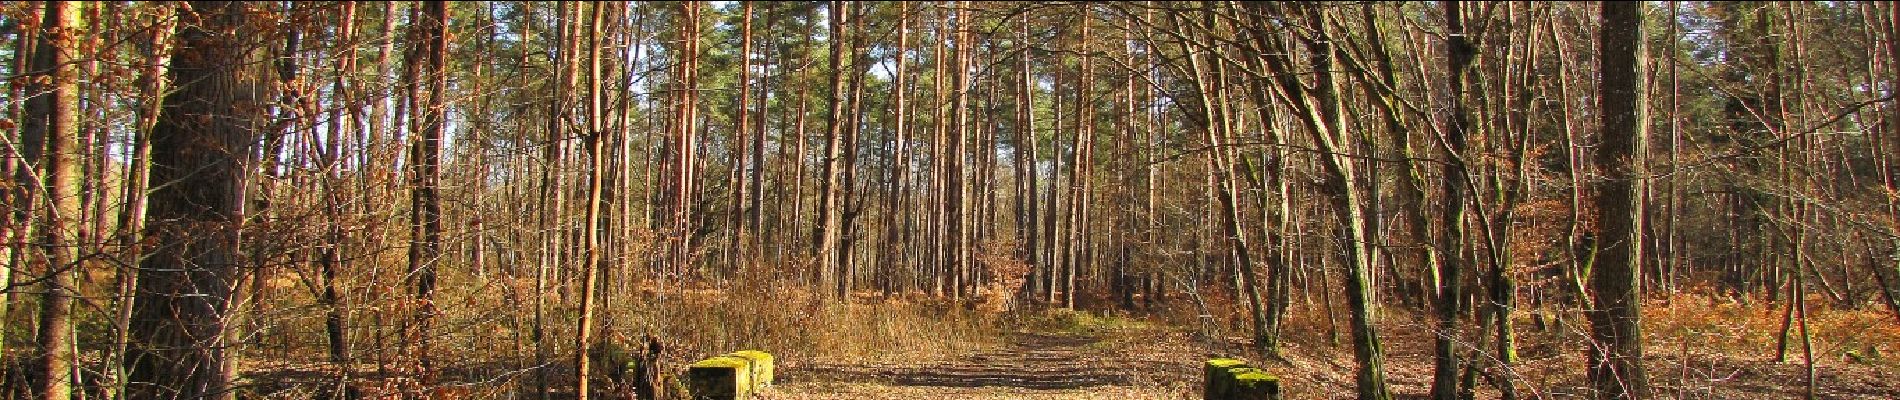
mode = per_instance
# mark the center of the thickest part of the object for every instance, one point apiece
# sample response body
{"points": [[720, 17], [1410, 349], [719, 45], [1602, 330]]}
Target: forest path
{"points": [[1030, 365]]}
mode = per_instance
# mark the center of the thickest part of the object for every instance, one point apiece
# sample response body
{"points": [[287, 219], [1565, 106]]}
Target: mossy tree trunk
{"points": [[1451, 259]]}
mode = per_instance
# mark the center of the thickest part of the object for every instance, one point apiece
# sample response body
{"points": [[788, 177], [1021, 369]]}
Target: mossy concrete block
{"points": [[761, 363], [1231, 379], [720, 378], [1251, 383], [1218, 381]]}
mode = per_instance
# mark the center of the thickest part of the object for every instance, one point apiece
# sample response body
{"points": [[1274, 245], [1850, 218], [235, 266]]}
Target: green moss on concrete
{"points": [[1251, 375], [722, 362], [1232, 379], [1219, 382], [1223, 364], [761, 363], [1254, 384], [721, 378]]}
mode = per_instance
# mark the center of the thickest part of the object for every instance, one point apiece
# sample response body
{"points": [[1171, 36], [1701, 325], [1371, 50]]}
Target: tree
{"points": [[830, 239], [200, 154], [1616, 357], [52, 153], [425, 249], [1451, 257], [596, 177]]}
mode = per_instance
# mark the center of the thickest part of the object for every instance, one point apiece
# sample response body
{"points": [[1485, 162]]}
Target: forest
{"points": [[544, 200]]}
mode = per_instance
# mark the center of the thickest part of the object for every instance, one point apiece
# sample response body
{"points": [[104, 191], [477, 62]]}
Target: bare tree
{"points": [[425, 249]]}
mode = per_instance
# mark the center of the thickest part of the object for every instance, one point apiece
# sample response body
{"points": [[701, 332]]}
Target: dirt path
{"points": [[1030, 365]]}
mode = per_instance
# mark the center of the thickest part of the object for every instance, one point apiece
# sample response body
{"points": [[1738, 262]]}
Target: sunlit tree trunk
{"points": [[894, 246], [1324, 120], [425, 250], [596, 178], [741, 181], [51, 137], [830, 232]]}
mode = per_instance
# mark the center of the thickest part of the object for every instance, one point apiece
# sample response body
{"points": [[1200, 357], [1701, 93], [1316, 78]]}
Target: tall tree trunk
{"points": [[1890, 174], [137, 184], [1027, 158], [853, 129], [894, 214], [686, 150], [596, 177], [756, 210], [1322, 114], [741, 181], [330, 258], [553, 196], [200, 148], [1616, 369], [425, 249], [830, 233], [1082, 162], [18, 196], [1451, 261], [53, 116], [1215, 116]]}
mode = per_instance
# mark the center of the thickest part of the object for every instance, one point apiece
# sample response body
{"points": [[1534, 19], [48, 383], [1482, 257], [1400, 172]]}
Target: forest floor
{"points": [[1697, 348], [1111, 358], [1138, 363]]}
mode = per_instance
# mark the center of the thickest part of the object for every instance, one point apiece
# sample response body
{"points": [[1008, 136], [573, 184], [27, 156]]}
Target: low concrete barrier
{"points": [[733, 376], [1231, 379]]}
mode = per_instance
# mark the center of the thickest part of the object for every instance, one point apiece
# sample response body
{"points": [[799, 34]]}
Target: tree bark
{"points": [[53, 116], [596, 178], [830, 233], [1616, 369], [1451, 260], [425, 249], [200, 150]]}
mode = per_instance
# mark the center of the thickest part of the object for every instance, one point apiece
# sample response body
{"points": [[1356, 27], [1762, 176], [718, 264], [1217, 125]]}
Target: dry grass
{"points": [[797, 326], [1723, 326], [1699, 347], [855, 391], [485, 346]]}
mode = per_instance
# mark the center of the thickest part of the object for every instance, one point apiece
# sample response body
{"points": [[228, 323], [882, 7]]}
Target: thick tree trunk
{"points": [[137, 184], [200, 147], [1616, 368]]}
